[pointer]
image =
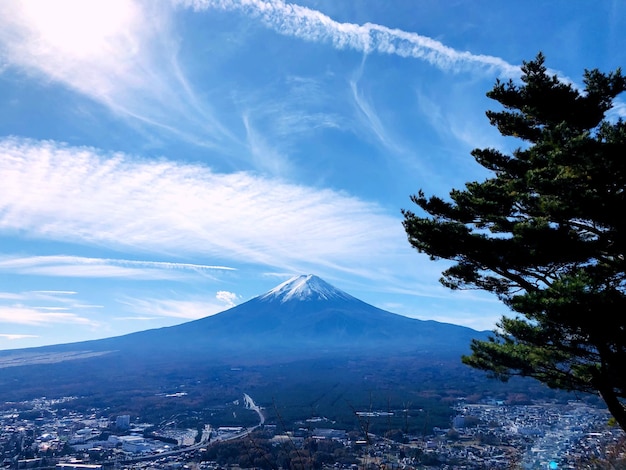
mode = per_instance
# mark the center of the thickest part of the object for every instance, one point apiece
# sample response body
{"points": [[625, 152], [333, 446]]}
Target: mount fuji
{"points": [[304, 317], [302, 320]]}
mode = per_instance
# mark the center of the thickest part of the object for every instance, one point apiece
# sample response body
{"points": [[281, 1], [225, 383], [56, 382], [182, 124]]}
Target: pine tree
{"points": [[546, 234]]}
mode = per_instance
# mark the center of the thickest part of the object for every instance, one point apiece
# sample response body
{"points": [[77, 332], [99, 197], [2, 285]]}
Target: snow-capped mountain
{"points": [[304, 288], [298, 343], [302, 321], [302, 317]]}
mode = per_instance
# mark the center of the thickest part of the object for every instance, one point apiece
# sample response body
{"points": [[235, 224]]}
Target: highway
{"points": [[248, 403]]}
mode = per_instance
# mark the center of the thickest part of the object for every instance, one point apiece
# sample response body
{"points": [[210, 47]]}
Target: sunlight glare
{"points": [[78, 28]]}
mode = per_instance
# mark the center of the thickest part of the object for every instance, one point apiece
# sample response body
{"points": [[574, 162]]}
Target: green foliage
{"points": [[546, 234]]}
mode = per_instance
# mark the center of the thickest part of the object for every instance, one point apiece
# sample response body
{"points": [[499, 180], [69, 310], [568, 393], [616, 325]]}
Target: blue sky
{"points": [[162, 161]]}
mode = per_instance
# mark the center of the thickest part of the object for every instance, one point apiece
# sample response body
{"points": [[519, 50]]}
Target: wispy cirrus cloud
{"points": [[189, 308], [77, 266], [618, 111], [41, 316], [55, 192], [312, 25], [120, 53], [264, 155], [16, 336], [367, 113], [40, 295], [45, 308], [148, 309], [276, 118]]}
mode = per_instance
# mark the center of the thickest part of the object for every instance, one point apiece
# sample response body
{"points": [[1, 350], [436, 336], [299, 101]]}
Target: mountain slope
{"points": [[302, 317], [304, 334], [306, 316]]}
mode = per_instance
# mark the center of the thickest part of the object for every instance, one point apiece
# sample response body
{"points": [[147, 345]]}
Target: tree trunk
{"points": [[615, 407], [612, 402]]}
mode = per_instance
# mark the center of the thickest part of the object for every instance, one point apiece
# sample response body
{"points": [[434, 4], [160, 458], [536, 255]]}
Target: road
{"points": [[248, 403]]}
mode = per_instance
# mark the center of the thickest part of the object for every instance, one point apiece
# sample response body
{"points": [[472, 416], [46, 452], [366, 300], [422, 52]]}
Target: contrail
{"points": [[311, 25]]}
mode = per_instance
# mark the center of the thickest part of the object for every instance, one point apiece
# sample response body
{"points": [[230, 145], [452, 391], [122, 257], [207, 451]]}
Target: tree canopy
{"points": [[546, 233]]}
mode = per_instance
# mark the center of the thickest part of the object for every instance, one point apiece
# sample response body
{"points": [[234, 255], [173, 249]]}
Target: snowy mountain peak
{"points": [[304, 288]]}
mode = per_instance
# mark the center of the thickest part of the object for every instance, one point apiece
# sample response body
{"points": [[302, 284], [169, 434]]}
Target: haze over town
{"points": [[164, 161]]}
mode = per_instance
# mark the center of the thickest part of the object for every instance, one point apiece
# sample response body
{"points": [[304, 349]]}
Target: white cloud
{"points": [[135, 318], [55, 192], [74, 42], [25, 315], [40, 295], [10, 296], [56, 292], [46, 308], [277, 116], [266, 157], [618, 111], [229, 298], [367, 114], [455, 123], [311, 25], [120, 53], [13, 337], [77, 266], [188, 309]]}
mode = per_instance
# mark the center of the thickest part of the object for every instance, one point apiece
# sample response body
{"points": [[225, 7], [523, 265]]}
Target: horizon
{"points": [[166, 161]]}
